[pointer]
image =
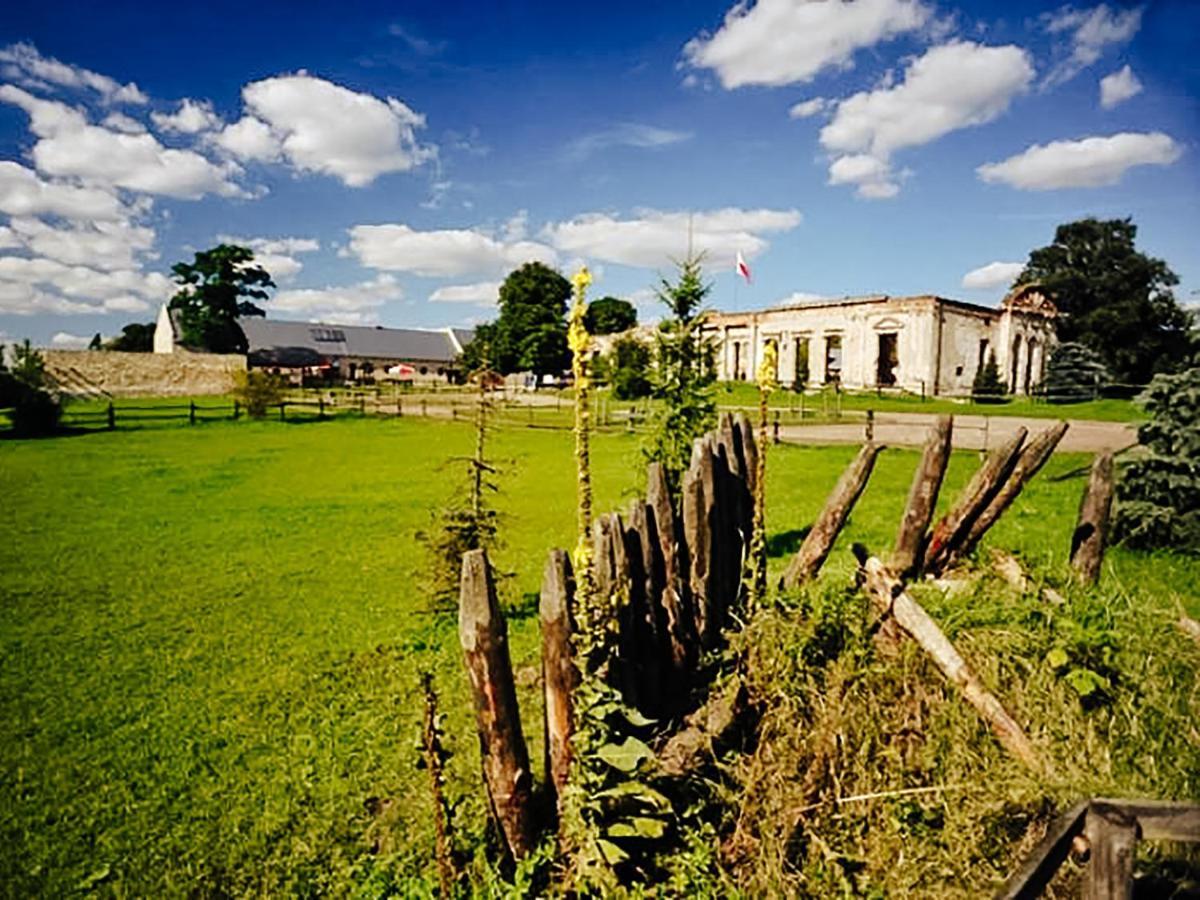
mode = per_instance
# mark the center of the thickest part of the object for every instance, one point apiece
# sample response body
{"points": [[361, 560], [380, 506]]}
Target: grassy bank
{"points": [[210, 641]]}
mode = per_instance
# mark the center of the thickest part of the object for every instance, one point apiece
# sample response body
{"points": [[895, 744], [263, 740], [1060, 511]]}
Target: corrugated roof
{"points": [[274, 336]]}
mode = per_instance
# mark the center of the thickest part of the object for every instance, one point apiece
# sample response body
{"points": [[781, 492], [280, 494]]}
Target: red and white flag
{"points": [[742, 268]]}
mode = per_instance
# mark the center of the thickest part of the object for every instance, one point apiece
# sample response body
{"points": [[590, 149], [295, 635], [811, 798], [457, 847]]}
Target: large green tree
{"points": [[530, 334], [1112, 298], [215, 289], [609, 315]]}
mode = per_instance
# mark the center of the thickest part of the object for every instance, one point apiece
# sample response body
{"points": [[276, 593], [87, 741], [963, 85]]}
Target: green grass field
{"points": [[210, 638]]}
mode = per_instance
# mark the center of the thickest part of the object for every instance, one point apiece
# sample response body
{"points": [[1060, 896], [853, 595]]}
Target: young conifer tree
{"points": [[684, 374]]}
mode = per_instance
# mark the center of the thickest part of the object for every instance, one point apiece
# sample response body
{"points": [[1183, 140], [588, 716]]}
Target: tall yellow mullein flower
{"points": [[579, 341], [767, 377]]}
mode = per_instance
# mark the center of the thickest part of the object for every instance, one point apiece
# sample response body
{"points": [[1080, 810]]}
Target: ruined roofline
{"points": [[833, 302]]}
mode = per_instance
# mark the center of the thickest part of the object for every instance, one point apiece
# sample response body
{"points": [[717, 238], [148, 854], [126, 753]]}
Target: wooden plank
{"points": [[484, 638], [1029, 463], [1159, 820], [1040, 866], [820, 539], [681, 629], [698, 503], [984, 484], [559, 675], [1112, 836], [922, 498], [1090, 537], [891, 600]]}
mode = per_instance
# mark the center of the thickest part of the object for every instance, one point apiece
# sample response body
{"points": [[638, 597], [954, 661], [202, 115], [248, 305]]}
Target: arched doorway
{"points": [[1031, 349], [1014, 365]]}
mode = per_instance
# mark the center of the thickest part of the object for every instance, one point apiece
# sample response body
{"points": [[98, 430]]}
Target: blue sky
{"points": [[391, 162]]}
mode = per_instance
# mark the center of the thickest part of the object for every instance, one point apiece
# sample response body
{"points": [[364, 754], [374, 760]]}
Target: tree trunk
{"points": [[1091, 533], [559, 675], [888, 595], [484, 638], [1032, 458], [984, 484], [812, 553], [922, 497]]}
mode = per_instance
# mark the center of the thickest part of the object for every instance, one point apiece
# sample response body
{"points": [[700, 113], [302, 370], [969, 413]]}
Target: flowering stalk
{"points": [[766, 375], [580, 343]]}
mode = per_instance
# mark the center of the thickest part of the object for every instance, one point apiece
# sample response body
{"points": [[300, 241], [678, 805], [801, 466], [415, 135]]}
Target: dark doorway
{"points": [[833, 358], [801, 377], [889, 358], [737, 361]]}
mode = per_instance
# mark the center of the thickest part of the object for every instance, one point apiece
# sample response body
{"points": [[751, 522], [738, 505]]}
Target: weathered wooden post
{"points": [[922, 497], [192, 412], [484, 638], [681, 626], [1112, 836], [320, 406], [237, 410], [1091, 533], [424, 408], [559, 675], [812, 553], [283, 412], [1031, 460], [984, 484], [112, 416], [775, 429], [870, 425], [362, 404], [892, 601]]}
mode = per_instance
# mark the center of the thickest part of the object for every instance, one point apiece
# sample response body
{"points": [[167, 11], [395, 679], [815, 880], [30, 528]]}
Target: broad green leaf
{"points": [[625, 756], [611, 852]]}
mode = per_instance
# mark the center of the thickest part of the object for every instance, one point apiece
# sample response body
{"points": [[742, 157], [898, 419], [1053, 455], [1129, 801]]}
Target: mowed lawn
{"points": [[211, 638]]}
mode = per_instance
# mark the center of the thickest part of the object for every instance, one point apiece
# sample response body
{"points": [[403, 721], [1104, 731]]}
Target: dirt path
{"points": [[970, 432]]}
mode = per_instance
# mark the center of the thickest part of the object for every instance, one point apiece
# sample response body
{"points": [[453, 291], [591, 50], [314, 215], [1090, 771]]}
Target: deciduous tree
{"points": [[215, 289], [610, 315], [1113, 298]]}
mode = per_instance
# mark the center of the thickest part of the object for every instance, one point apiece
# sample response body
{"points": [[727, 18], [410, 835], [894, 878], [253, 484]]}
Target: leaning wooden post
{"points": [[484, 638], [559, 676], [1091, 533], [922, 497], [812, 553], [112, 417], [1031, 460], [192, 412], [891, 600], [952, 527]]}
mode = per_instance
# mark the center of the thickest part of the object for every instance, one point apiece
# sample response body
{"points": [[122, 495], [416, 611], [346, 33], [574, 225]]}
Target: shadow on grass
{"points": [[785, 543]]}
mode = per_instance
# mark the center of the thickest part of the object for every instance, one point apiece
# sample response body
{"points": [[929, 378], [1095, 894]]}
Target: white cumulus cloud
{"points": [[1090, 162], [276, 255], [482, 293], [1118, 87], [352, 304], [448, 253], [654, 238], [326, 128], [64, 340], [778, 42], [993, 275], [68, 147], [98, 244], [806, 108], [23, 63], [249, 139], [23, 193], [192, 117], [952, 86]]}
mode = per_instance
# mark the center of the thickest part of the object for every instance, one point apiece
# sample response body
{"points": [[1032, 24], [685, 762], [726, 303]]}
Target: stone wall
{"points": [[143, 374]]}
